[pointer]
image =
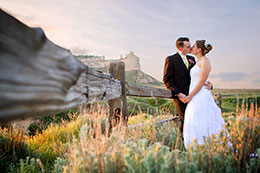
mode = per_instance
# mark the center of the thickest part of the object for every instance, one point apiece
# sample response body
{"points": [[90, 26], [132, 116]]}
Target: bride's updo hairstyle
{"points": [[205, 47]]}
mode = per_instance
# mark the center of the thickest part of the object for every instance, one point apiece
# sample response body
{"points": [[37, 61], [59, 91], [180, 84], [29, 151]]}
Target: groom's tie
{"points": [[186, 61]]}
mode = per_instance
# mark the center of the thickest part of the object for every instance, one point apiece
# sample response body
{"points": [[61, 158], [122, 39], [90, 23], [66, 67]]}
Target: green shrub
{"points": [[139, 156], [58, 165], [30, 165]]}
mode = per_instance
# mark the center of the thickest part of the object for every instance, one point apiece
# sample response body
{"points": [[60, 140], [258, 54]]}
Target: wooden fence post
{"points": [[118, 107]]}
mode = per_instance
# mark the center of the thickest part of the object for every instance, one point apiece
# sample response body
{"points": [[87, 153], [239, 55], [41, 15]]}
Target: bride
{"points": [[202, 115]]}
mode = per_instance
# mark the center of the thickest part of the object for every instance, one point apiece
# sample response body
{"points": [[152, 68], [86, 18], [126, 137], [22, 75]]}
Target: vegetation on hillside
{"points": [[139, 77]]}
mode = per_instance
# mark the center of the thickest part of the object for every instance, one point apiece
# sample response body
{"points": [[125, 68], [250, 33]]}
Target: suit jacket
{"points": [[176, 76]]}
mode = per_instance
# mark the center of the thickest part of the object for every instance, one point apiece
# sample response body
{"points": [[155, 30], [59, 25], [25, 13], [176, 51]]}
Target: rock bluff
{"points": [[131, 61]]}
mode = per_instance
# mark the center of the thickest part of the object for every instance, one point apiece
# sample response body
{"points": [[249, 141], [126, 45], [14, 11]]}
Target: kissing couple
{"points": [[188, 81]]}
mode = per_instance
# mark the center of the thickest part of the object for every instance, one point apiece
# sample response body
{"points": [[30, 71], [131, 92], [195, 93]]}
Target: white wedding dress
{"points": [[202, 115]]}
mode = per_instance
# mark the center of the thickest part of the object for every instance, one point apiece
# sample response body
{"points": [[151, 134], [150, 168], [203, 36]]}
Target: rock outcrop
{"points": [[131, 61], [132, 67]]}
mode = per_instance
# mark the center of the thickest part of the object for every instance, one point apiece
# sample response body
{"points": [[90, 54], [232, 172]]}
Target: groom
{"points": [[176, 75]]}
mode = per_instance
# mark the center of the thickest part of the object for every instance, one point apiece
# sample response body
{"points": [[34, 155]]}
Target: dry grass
{"points": [[86, 145]]}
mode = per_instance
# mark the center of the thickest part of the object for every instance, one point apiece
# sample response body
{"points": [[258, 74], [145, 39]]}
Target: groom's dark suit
{"points": [[176, 78]]}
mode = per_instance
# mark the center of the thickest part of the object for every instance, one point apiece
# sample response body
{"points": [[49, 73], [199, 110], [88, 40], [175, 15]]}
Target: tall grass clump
{"points": [[53, 141], [153, 131], [12, 148], [141, 148]]}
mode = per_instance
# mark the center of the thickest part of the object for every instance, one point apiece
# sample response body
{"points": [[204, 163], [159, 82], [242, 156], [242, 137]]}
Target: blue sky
{"points": [[150, 28]]}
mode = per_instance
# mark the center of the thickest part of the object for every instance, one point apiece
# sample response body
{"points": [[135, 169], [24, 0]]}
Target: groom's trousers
{"points": [[180, 106]]}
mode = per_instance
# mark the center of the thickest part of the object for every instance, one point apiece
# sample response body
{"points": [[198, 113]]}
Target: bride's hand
{"points": [[187, 99], [181, 97]]}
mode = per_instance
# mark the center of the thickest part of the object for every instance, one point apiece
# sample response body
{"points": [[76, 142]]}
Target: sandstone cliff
{"points": [[132, 66], [131, 61]]}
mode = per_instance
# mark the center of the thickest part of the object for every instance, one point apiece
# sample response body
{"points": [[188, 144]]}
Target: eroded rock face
{"points": [[134, 73], [131, 61]]}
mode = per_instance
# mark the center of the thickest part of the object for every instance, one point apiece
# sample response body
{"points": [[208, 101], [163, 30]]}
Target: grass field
{"points": [[237, 91], [76, 142]]}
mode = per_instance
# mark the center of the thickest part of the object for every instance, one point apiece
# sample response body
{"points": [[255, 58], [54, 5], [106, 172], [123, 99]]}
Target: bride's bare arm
{"points": [[205, 69]]}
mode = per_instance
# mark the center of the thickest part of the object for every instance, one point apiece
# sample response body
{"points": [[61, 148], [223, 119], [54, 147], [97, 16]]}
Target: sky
{"points": [[150, 28]]}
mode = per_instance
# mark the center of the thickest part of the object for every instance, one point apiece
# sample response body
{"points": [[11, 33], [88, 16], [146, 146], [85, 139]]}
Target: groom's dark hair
{"points": [[179, 41]]}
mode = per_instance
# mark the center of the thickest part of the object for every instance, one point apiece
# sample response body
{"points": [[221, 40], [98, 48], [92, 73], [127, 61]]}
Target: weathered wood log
{"points": [[147, 91], [39, 78], [118, 106]]}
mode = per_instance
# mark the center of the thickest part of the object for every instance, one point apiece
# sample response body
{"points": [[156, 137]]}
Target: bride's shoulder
{"points": [[205, 60]]}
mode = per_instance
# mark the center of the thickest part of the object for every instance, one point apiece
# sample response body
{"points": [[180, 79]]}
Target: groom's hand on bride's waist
{"points": [[208, 85]]}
